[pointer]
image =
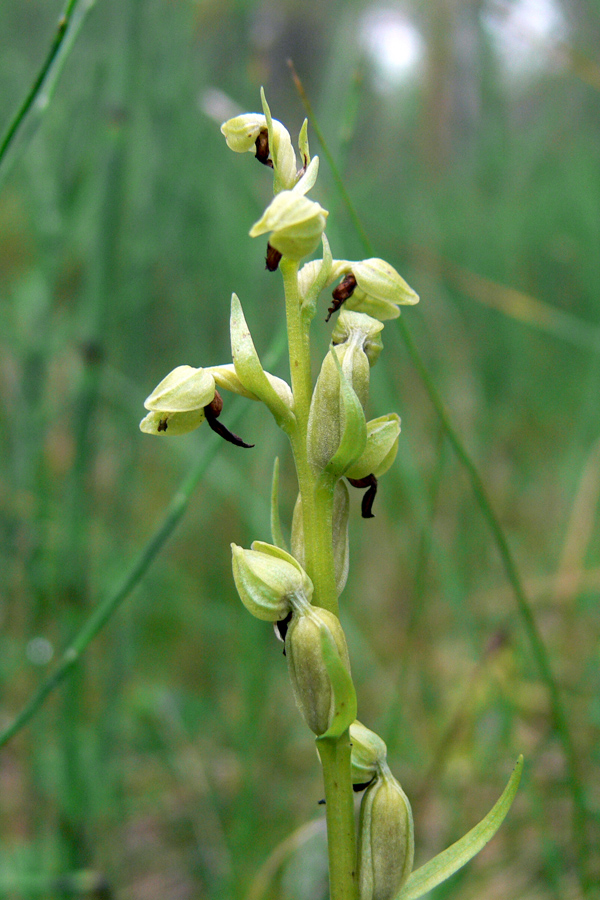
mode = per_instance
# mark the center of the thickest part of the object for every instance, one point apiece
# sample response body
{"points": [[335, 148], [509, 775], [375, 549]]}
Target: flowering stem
{"points": [[317, 498], [339, 808], [317, 502]]}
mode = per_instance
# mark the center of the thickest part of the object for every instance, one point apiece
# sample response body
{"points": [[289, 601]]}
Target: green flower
{"points": [[177, 405], [295, 222]]}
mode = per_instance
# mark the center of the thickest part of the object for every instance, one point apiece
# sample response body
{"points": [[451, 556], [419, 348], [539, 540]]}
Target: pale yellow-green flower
{"points": [[295, 224]]}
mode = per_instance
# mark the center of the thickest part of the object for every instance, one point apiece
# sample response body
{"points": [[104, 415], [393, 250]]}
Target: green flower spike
{"points": [[295, 222]]}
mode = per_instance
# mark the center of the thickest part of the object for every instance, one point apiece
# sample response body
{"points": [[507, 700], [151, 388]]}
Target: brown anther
{"points": [[212, 413], [163, 424], [262, 148], [216, 405], [366, 506], [341, 293], [273, 258]]}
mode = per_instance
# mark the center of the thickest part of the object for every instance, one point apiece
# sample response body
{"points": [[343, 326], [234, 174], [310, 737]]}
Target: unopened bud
{"points": [[368, 753], [385, 839], [310, 679], [269, 581], [382, 445], [296, 224]]}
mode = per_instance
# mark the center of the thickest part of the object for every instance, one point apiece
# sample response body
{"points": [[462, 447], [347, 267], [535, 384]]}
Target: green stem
{"points": [[317, 498], [339, 808], [317, 503]]}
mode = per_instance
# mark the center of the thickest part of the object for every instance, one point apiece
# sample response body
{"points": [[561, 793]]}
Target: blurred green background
{"points": [[173, 762]]}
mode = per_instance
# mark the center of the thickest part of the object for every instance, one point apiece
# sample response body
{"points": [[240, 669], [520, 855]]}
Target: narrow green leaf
{"points": [[454, 858], [354, 435], [250, 371], [276, 532], [345, 706]]}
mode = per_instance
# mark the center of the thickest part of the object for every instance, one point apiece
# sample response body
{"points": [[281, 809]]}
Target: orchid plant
{"points": [[298, 588]]}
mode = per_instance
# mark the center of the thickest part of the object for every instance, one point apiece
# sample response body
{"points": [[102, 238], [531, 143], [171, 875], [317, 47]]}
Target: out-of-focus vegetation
{"points": [[173, 762]]}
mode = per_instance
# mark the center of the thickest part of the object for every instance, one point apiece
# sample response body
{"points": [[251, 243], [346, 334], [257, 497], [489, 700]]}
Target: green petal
{"points": [[183, 390], [172, 423]]}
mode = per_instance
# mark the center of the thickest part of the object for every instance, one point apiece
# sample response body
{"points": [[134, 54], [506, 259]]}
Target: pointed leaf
{"points": [[344, 695], [454, 858], [249, 369], [276, 532], [354, 435]]}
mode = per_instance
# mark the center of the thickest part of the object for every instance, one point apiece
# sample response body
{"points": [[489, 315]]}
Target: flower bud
{"points": [[368, 753], [269, 581], [296, 224], [382, 445], [311, 683], [385, 839]]}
